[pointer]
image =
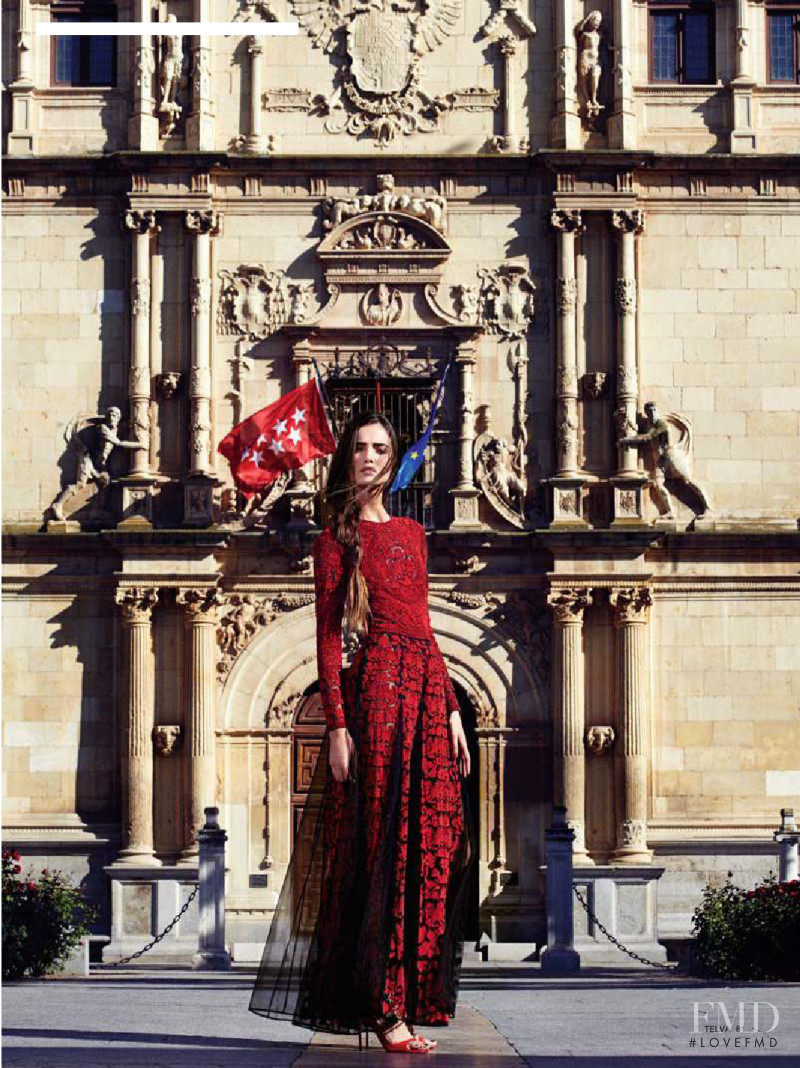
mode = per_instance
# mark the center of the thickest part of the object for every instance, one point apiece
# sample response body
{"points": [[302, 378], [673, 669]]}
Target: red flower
{"points": [[30, 886], [17, 869]]}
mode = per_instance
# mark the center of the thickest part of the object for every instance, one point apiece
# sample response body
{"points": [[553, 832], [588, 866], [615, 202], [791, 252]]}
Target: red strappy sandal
{"points": [[412, 1044]]}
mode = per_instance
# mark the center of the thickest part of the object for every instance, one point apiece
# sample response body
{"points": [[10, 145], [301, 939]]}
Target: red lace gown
{"points": [[370, 919]]}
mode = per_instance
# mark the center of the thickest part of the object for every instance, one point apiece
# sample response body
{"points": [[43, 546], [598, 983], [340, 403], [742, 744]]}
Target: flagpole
{"points": [[325, 399]]}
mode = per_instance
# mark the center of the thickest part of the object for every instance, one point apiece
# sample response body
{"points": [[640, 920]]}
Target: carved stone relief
{"points": [[503, 302], [600, 740], [381, 305], [378, 48], [590, 69], [255, 301], [432, 209]]}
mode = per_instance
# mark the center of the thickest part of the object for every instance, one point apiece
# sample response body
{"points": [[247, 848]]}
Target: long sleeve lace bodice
{"points": [[395, 566]]}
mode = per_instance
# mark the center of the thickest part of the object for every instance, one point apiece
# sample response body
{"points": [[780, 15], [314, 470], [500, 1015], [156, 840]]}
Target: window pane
{"points": [[697, 48], [67, 54], [101, 60], [665, 48], [781, 48]]}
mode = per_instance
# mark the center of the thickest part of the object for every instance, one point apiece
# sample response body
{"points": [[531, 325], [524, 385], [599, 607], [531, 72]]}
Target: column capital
{"points": [[569, 603], [136, 603], [628, 221], [203, 221], [140, 222], [201, 605], [567, 222], [630, 604], [255, 45]]}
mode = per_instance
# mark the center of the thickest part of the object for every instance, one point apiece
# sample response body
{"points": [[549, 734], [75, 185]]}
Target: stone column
{"points": [[508, 49], [622, 122], [143, 123], [200, 124], [201, 613], [568, 607], [566, 488], [743, 134], [22, 135], [137, 486], [627, 485], [301, 491], [492, 853], [465, 493], [255, 141], [136, 608], [198, 490], [631, 607], [565, 126]]}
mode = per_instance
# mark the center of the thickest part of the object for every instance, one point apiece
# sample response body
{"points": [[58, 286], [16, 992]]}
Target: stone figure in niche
{"points": [[590, 68], [670, 460], [169, 79], [299, 295], [381, 306], [92, 440]]}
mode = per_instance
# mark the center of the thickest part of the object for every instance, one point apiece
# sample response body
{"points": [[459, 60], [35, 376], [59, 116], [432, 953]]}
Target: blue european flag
{"points": [[412, 461]]}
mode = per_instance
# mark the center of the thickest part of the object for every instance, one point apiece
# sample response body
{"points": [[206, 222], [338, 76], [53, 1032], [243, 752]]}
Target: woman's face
{"points": [[372, 454]]}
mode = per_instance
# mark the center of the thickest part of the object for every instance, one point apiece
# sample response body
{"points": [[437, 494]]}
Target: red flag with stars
{"points": [[280, 437]]}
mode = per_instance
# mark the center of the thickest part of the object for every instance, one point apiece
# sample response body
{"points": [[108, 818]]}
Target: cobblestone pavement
{"points": [[509, 1015]]}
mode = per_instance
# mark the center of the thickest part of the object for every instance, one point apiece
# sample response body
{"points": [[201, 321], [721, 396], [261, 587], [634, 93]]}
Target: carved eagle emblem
{"points": [[383, 39]]}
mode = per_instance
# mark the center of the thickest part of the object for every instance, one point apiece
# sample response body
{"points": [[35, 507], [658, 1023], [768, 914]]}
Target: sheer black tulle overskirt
{"points": [[370, 918]]}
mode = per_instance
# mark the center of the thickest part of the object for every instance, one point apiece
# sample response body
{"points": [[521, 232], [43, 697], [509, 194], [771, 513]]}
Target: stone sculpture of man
{"points": [[589, 67], [93, 441], [169, 75], [671, 461]]}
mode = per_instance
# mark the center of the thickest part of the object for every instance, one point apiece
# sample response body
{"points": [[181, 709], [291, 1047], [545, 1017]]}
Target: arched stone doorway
{"points": [[270, 726]]}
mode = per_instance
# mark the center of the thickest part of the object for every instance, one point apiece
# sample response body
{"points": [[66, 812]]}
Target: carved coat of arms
{"points": [[379, 44]]}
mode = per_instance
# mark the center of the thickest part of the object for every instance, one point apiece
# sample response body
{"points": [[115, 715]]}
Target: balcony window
{"points": [[682, 43], [84, 61]]}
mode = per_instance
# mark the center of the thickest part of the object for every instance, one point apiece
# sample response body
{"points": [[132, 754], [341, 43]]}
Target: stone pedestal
{"points": [[465, 493], [212, 954], [559, 955], [143, 902], [627, 501], [625, 901]]}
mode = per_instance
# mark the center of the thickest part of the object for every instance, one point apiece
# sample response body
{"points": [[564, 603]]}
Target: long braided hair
{"points": [[341, 511]]}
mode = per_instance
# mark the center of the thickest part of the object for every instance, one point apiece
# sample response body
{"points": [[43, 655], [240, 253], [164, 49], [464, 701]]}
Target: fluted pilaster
{"points": [[201, 614], [136, 608], [493, 858], [203, 224], [631, 609], [568, 606]]}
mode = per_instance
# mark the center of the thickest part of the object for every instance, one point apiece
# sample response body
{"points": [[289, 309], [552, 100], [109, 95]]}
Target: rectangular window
{"points": [[682, 43], [783, 29], [84, 61]]}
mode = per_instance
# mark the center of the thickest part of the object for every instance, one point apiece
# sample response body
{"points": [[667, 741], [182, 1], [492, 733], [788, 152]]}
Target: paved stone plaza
{"points": [[509, 1014]]}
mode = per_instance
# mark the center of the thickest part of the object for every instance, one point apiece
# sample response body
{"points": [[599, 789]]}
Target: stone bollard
{"points": [[788, 836], [211, 953], [560, 957]]}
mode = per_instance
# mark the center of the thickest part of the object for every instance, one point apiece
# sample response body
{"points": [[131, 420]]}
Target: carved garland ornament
{"points": [[242, 615], [378, 48]]}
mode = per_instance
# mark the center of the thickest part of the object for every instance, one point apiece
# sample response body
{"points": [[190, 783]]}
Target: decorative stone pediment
{"points": [[383, 243]]}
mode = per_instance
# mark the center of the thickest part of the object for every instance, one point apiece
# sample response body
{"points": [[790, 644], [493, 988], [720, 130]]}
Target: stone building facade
{"points": [[591, 208]]}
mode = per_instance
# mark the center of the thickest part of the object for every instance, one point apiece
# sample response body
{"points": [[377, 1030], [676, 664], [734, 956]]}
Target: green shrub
{"points": [[749, 934], [43, 920]]}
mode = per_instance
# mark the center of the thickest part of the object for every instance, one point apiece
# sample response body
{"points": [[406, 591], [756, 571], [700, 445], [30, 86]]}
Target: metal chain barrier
{"points": [[617, 943], [157, 939]]}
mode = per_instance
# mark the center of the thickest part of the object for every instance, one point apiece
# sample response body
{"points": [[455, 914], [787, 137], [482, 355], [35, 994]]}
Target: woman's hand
{"points": [[340, 746], [459, 743]]}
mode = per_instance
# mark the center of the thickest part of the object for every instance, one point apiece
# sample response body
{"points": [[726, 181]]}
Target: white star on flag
{"points": [[256, 457], [279, 428], [277, 447], [245, 454], [295, 434], [261, 439], [299, 415]]}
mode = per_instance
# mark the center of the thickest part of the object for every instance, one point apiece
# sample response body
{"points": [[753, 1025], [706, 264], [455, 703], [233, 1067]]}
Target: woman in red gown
{"points": [[368, 929]]}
